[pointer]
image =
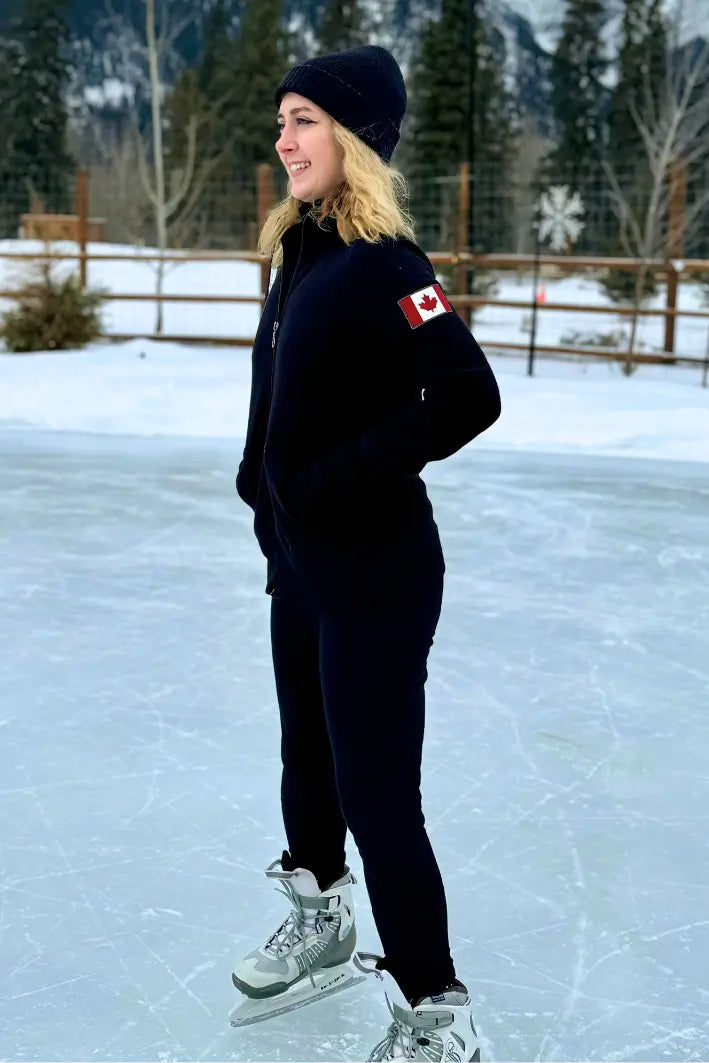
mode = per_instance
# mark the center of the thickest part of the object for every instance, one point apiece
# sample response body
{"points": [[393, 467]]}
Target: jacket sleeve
{"points": [[247, 478], [243, 488], [455, 398]]}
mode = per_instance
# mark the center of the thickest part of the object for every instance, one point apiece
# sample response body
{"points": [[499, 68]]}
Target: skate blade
{"points": [[327, 983]]}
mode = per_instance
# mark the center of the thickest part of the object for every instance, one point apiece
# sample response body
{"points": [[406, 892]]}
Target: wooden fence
{"points": [[461, 264], [674, 273]]}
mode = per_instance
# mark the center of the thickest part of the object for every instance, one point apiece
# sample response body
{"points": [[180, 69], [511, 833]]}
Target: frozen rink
{"points": [[565, 774]]}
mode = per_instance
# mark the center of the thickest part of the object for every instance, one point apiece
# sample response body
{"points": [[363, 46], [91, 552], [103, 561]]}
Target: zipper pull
{"points": [[275, 330]]}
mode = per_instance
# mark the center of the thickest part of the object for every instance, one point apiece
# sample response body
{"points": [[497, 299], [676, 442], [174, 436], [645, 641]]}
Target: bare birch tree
{"points": [[172, 195], [154, 184], [672, 119], [115, 194]]}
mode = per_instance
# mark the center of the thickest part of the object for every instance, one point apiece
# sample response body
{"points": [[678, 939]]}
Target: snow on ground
{"points": [[145, 388]]}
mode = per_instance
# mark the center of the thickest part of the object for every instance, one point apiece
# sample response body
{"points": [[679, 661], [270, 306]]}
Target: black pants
{"points": [[350, 667]]}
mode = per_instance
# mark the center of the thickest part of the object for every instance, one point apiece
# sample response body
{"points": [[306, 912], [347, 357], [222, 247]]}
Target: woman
{"points": [[362, 374]]}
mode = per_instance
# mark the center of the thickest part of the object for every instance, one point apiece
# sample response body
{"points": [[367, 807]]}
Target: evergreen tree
{"points": [[341, 26], [198, 97], [697, 236], [259, 61], [641, 61], [577, 95], [459, 110], [187, 117], [495, 130], [231, 95], [642, 65], [34, 77], [216, 53], [249, 129], [578, 99]]}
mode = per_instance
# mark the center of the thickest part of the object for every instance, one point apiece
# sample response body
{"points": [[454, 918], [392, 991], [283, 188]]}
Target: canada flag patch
{"points": [[425, 304]]}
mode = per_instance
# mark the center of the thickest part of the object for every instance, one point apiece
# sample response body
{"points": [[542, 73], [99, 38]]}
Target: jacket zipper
{"points": [[280, 310], [279, 313]]}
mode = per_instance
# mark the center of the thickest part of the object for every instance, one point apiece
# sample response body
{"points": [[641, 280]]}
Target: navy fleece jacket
{"points": [[353, 400]]}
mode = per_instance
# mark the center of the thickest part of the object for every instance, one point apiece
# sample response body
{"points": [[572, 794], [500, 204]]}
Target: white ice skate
{"points": [[438, 1029], [308, 956]]}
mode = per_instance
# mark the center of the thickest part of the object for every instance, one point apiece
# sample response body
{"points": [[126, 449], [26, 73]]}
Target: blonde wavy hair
{"points": [[371, 202]]}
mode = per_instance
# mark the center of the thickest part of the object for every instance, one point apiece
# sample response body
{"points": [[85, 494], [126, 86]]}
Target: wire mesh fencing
{"points": [[208, 284], [481, 209]]}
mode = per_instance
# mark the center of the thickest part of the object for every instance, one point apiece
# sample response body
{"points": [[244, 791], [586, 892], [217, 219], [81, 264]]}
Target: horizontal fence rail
{"points": [[462, 263]]}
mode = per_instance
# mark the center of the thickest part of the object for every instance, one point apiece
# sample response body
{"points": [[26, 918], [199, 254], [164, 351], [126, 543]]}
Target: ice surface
{"points": [[565, 774]]}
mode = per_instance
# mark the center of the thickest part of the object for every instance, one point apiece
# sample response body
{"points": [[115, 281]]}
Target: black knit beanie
{"points": [[362, 88]]}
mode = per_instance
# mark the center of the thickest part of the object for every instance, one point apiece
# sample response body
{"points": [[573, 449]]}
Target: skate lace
{"points": [[293, 930], [399, 1043]]}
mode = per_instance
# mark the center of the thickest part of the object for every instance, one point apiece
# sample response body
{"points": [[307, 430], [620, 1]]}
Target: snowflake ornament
{"points": [[560, 217]]}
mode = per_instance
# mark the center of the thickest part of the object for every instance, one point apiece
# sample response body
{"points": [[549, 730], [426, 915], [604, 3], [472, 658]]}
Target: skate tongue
{"points": [[300, 879], [304, 882], [370, 963], [393, 992]]}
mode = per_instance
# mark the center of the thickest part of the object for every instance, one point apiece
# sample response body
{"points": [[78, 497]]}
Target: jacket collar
{"points": [[317, 237], [326, 224], [306, 206], [317, 234]]}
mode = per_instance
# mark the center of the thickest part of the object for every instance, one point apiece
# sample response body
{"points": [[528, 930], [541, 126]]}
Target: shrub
{"points": [[619, 285], [52, 314], [614, 340]]}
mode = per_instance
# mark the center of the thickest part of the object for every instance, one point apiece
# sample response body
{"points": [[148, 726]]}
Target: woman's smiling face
{"points": [[306, 137]]}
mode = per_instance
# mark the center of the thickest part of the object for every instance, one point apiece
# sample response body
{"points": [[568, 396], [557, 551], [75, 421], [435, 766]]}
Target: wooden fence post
{"points": [[82, 215], [670, 318], [676, 225], [266, 201]]}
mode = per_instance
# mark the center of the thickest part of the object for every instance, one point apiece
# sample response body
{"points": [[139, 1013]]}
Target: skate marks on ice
{"points": [[139, 756], [572, 640], [564, 777]]}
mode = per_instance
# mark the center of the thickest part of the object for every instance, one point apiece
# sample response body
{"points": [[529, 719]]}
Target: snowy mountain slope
{"points": [[546, 16], [529, 31]]}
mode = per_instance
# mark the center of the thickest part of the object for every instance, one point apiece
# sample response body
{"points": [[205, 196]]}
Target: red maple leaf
{"points": [[428, 303]]}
